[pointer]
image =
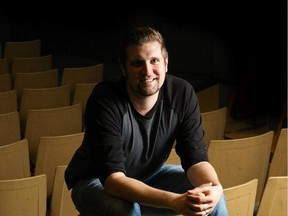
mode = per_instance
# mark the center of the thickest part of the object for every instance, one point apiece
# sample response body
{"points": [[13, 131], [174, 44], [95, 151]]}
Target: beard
{"points": [[146, 89]]}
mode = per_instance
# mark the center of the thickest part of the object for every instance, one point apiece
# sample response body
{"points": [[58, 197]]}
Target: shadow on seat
{"points": [[214, 123], [209, 98], [278, 166], [62, 204], [22, 49], [173, 158], [5, 82], [4, 68], [82, 93]]}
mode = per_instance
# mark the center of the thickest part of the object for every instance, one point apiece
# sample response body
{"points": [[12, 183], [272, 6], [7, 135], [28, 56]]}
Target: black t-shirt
{"points": [[118, 138]]}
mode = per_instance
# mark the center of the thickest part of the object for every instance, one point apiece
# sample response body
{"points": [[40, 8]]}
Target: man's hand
{"points": [[200, 200]]}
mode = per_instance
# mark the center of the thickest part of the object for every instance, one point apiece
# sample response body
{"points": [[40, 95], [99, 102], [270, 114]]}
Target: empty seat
{"points": [[24, 196], [31, 64], [42, 79], [42, 98], [214, 123], [51, 122], [54, 151], [8, 101], [4, 68], [240, 160], [240, 199], [14, 160], [81, 95], [29, 48], [72, 76], [278, 165], [209, 98], [62, 204], [173, 158], [10, 128], [5, 82], [274, 198]]}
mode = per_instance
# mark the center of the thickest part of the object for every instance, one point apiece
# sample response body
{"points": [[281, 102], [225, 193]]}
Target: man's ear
{"points": [[123, 70], [166, 65]]}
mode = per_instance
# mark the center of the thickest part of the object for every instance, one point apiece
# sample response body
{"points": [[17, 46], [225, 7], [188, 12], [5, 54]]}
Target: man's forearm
{"points": [[202, 173], [133, 190]]}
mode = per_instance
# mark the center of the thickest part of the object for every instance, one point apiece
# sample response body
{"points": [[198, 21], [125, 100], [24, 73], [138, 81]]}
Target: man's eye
{"points": [[137, 64]]}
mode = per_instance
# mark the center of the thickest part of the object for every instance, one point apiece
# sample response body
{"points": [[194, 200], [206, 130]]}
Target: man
{"points": [[130, 127]]}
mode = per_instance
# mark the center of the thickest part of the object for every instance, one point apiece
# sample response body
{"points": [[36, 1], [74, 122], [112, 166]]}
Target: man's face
{"points": [[145, 69]]}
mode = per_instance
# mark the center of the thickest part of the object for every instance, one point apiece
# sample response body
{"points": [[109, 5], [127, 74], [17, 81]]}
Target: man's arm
{"points": [[203, 176], [193, 202], [119, 185], [202, 173]]}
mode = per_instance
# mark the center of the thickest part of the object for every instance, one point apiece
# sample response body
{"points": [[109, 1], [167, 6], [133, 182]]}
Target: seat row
{"points": [[231, 155], [30, 76], [41, 122], [19, 183], [238, 161], [40, 98], [56, 152], [28, 57]]}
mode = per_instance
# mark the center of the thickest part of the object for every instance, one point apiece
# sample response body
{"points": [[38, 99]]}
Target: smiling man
{"points": [[130, 127]]}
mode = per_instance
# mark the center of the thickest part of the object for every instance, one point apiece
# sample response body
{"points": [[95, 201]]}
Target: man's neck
{"points": [[143, 104]]}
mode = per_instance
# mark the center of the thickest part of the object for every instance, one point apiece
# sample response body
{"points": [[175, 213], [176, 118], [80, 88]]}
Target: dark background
{"points": [[242, 45]]}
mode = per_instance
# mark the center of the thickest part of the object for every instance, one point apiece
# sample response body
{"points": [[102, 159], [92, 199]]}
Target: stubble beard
{"points": [[143, 90]]}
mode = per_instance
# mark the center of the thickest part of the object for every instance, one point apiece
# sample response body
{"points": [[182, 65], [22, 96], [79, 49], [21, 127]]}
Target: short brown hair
{"points": [[139, 36]]}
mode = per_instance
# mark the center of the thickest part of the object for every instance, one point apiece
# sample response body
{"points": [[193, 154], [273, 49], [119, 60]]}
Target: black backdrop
{"points": [[242, 44]]}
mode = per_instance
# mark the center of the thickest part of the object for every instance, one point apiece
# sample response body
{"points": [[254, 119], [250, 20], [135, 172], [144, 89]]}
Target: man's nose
{"points": [[147, 69]]}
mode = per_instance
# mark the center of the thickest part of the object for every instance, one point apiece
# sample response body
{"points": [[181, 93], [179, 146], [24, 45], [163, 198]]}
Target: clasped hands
{"points": [[199, 201]]}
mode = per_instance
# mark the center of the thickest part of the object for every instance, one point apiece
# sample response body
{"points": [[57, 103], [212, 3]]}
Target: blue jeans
{"points": [[91, 200]]}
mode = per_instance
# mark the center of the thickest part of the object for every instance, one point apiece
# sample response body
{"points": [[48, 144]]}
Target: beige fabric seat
{"points": [[54, 151], [30, 64], [278, 166], [214, 124], [51, 122], [42, 98], [5, 82], [81, 95], [42, 79], [209, 98], [4, 66], [240, 199], [237, 161], [8, 101], [62, 204], [10, 128], [14, 160], [173, 158], [23, 197], [274, 200], [91, 74], [22, 49]]}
